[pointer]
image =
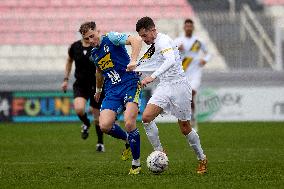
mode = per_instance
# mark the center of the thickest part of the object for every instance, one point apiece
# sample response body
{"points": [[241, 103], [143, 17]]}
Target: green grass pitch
{"points": [[52, 155]]}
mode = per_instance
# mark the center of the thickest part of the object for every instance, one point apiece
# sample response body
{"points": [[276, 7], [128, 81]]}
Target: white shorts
{"points": [[193, 75], [194, 83], [174, 99]]}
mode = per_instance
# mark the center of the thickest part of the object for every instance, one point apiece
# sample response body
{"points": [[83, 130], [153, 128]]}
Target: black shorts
{"points": [[87, 92]]}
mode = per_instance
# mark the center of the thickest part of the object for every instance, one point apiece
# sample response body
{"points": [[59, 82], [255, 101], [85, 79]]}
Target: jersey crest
{"points": [[84, 52]]}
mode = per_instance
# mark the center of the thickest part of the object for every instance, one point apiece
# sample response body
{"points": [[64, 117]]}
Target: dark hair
{"points": [[85, 27], [188, 21], [145, 22]]}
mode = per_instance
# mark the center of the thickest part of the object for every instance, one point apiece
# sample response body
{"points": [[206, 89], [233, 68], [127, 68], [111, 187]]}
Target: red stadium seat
{"points": [[56, 21], [273, 2]]}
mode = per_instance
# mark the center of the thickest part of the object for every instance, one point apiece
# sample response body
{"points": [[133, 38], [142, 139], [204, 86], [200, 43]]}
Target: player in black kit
{"points": [[84, 87]]}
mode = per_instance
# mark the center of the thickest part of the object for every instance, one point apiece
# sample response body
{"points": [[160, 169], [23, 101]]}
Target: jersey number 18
{"points": [[114, 76]]}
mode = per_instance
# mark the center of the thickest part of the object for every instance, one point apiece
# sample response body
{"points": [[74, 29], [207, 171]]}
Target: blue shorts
{"points": [[116, 98]]}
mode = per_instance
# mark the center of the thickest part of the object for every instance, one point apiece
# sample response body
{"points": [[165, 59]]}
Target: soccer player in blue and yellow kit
{"points": [[121, 84]]}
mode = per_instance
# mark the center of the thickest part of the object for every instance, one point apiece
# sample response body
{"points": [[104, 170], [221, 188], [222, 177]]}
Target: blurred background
{"points": [[244, 80]]}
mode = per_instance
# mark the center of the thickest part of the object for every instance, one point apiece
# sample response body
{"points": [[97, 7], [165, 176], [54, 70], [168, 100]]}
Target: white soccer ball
{"points": [[157, 162]]}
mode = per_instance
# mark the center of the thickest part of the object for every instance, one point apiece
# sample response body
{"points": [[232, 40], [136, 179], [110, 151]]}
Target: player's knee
{"points": [[80, 111], [105, 128], [146, 118], [185, 128], [129, 125]]}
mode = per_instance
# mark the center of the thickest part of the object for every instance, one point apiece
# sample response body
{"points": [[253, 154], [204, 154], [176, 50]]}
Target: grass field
{"points": [[241, 155]]}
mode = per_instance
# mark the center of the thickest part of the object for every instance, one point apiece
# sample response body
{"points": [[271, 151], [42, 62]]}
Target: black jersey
{"points": [[85, 69]]}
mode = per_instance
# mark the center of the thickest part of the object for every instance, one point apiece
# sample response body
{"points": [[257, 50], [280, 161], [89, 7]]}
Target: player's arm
{"points": [[99, 84], [99, 80], [124, 39], [207, 55], [68, 68], [136, 44], [169, 60], [179, 44]]}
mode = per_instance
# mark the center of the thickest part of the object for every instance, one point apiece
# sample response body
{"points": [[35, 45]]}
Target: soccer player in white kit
{"points": [[190, 48], [173, 93]]}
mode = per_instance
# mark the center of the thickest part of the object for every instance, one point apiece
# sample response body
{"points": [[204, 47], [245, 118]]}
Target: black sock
{"points": [[127, 145], [134, 166], [85, 119], [99, 134]]}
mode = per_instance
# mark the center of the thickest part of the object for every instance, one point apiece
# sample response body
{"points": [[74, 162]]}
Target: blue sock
{"points": [[134, 141], [117, 132]]}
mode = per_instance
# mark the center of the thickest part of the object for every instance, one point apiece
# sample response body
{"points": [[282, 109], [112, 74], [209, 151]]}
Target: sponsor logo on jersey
{"points": [[166, 50], [105, 62]]}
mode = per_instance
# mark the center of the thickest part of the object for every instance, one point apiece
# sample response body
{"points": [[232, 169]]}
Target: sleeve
{"points": [[168, 54], [117, 38], [71, 51], [205, 51]]}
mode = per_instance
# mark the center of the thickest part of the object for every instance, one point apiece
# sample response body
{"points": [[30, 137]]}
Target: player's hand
{"points": [[97, 96], [64, 86], [139, 74], [181, 48], [147, 80], [131, 66]]}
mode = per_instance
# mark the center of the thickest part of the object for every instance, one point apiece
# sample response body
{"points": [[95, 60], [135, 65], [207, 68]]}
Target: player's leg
{"points": [[110, 106], [79, 106], [193, 102], [107, 124], [193, 117], [130, 116], [100, 143], [156, 105], [192, 138], [131, 97], [150, 113], [81, 96], [96, 113], [195, 81], [194, 141], [181, 108]]}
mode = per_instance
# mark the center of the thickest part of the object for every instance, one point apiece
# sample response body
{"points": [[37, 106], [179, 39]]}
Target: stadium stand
{"points": [[273, 2], [225, 30], [35, 34], [42, 22]]}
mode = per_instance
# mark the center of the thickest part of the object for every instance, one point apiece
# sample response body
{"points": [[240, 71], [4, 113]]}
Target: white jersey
{"points": [[191, 54], [163, 58], [173, 93]]}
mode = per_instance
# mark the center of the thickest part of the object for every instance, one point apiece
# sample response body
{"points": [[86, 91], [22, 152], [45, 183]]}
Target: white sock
{"points": [[136, 162], [194, 142], [152, 133]]}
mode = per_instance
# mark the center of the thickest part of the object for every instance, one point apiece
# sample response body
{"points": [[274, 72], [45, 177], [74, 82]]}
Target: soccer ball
{"points": [[157, 162]]}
